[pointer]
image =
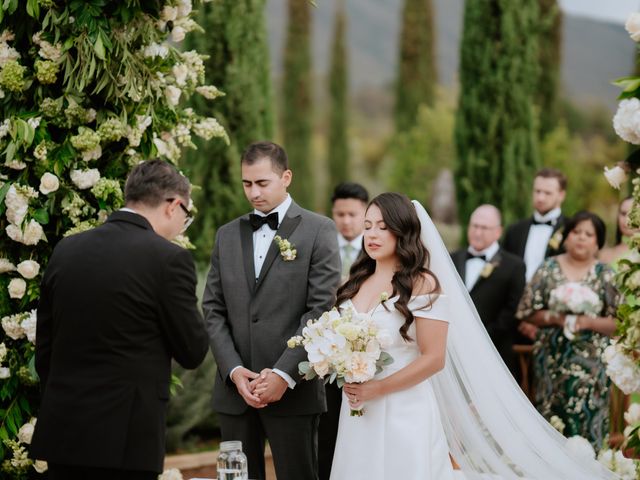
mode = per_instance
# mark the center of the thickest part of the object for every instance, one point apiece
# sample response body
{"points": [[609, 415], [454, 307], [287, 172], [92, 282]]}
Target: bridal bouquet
{"points": [[343, 347], [575, 299]]}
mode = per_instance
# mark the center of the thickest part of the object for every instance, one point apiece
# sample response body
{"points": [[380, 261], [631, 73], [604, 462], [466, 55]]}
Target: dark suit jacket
{"points": [[117, 304], [250, 322], [496, 298], [515, 238]]}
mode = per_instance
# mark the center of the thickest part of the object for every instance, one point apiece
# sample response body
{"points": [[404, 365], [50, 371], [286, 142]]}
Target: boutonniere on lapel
{"points": [[489, 267], [288, 251], [556, 239]]}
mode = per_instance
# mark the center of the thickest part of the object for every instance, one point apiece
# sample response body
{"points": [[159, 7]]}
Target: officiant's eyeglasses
{"points": [[189, 217]]}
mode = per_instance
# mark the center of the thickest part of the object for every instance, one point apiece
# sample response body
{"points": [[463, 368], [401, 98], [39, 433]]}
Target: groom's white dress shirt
{"points": [[538, 239], [349, 251], [474, 266]]}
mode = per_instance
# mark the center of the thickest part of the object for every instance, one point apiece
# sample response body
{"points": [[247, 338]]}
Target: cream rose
{"points": [[40, 466], [17, 205], [626, 121], [29, 269], [632, 25], [17, 288], [49, 183]]}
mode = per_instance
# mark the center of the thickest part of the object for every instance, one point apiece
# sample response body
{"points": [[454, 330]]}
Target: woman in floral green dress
{"points": [[572, 299]]}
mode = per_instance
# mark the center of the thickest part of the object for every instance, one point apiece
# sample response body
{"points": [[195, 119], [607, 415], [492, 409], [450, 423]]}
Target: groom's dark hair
{"points": [[153, 182], [274, 152]]}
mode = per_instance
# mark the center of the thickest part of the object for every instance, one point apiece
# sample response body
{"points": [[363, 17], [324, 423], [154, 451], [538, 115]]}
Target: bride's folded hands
{"points": [[359, 393]]}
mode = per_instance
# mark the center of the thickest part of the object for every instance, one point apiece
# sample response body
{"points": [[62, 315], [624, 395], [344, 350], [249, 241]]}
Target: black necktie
{"points": [[258, 220], [471, 255], [551, 223]]}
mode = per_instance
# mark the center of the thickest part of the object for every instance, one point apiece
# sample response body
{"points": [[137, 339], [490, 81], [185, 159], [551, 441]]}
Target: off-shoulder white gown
{"points": [[400, 435]]}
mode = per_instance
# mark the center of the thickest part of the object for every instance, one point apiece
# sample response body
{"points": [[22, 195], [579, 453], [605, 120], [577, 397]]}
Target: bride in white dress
{"points": [[447, 391]]}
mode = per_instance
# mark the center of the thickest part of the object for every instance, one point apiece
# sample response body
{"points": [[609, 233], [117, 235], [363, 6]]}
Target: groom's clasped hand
{"points": [[259, 389]]}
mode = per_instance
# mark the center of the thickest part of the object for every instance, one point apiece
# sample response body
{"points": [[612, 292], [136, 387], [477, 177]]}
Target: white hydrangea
{"points": [[29, 326], [7, 54], [626, 121], [17, 205], [84, 179], [33, 233], [11, 326], [16, 164], [94, 154]]}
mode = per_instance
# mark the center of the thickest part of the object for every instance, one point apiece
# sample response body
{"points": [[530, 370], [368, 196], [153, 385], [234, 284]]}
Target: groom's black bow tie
{"points": [[258, 220], [471, 255], [551, 223]]}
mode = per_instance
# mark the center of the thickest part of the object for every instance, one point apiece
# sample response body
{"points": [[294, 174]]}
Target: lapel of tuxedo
{"points": [[460, 261], [289, 224], [246, 240], [559, 226]]}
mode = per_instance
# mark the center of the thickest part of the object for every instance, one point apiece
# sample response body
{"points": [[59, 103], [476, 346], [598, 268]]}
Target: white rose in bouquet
{"points": [[29, 269], [17, 288], [49, 183]]}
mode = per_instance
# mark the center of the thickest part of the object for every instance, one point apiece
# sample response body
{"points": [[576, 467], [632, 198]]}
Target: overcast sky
{"points": [[612, 10]]}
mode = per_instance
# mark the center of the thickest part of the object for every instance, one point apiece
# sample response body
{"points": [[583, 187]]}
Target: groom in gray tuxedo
{"points": [[258, 295]]}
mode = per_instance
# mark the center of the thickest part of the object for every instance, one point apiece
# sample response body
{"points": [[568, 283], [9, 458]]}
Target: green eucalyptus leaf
{"points": [[98, 46], [10, 152]]}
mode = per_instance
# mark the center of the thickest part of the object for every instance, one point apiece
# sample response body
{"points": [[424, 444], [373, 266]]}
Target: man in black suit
{"points": [[494, 278], [535, 238], [260, 293], [117, 304]]}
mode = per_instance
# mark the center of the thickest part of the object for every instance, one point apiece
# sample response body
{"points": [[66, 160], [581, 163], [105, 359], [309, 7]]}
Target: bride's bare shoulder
{"points": [[426, 284]]}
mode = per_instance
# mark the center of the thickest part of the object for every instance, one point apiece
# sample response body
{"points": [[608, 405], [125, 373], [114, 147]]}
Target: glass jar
{"points": [[232, 462]]}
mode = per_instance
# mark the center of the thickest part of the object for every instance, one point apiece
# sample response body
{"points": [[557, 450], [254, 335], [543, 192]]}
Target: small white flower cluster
{"points": [[5, 372], [621, 368], [177, 14], [17, 203], [47, 50], [615, 461], [135, 132], [5, 126], [7, 53], [557, 423], [347, 347], [155, 50], [20, 325], [74, 207], [166, 146], [84, 179]]}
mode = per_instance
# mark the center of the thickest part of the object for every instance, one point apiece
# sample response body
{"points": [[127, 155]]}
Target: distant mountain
{"points": [[594, 52]]}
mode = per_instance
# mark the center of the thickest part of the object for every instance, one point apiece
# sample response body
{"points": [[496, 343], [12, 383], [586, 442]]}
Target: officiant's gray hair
{"points": [[153, 182], [274, 152]]}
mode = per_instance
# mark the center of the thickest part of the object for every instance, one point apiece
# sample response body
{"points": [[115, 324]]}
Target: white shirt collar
{"points": [[552, 215], [130, 210], [488, 252], [356, 243], [280, 209]]}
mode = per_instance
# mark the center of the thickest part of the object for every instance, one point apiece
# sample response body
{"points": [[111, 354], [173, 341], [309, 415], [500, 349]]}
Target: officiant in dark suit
{"points": [[117, 303], [271, 271], [540, 236], [494, 278]]}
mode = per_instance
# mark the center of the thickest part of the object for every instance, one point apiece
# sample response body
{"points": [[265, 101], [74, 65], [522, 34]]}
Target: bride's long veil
{"points": [[491, 426]]}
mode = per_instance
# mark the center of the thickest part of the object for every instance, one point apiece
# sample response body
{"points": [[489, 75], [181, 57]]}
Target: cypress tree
{"points": [[338, 149], [417, 72], [496, 132], [238, 64], [297, 111], [550, 56]]}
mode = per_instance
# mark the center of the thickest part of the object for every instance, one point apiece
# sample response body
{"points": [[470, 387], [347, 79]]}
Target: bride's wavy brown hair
{"points": [[401, 219]]}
